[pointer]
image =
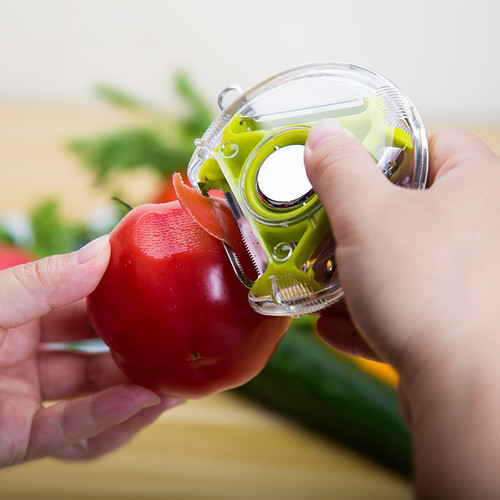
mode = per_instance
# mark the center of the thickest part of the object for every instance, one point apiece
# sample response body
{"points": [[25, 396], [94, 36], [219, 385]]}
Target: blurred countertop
{"points": [[221, 447]]}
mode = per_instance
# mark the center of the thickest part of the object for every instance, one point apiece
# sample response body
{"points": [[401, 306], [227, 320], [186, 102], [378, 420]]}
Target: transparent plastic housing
{"points": [[253, 151]]}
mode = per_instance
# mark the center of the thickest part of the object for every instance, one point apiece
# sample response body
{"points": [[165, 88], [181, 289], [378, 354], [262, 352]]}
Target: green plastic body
{"points": [[291, 239]]}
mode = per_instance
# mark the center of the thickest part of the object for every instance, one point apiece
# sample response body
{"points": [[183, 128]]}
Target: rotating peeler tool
{"points": [[253, 151]]}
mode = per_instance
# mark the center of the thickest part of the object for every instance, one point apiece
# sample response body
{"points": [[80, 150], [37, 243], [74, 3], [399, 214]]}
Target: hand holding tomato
{"points": [[172, 311], [100, 410]]}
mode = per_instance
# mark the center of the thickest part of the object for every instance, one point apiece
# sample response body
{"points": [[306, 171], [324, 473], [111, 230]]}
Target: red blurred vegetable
{"points": [[167, 192], [11, 256], [172, 311]]}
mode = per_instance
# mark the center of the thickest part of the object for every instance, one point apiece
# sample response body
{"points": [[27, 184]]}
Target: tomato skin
{"points": [[172, 311]]}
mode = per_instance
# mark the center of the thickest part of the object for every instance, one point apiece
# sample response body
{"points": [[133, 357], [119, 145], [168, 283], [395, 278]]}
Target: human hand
{"points": [[421, 279], [419, 268], [99, 409]]}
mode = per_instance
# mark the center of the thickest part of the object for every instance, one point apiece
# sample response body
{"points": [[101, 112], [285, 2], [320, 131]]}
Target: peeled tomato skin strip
{"points": [[214, 216]]}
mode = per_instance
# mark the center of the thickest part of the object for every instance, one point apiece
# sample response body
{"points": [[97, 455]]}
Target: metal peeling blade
{"points": [[391, 160], [251, 244], [238, 269]]}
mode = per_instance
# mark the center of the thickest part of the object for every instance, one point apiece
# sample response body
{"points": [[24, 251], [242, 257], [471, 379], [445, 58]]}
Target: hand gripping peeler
{"points": [[253, 151]]}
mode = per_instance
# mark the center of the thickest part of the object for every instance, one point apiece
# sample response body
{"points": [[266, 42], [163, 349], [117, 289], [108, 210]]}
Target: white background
{"points": [[444, 54]]}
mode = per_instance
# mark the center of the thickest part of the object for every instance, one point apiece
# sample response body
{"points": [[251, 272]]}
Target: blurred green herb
{"points": [[164, 143], [6, 237], [54, 233]]}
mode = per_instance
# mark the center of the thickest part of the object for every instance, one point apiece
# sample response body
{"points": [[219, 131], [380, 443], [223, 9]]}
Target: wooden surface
{"points": [[222, 447], [219, 448]]}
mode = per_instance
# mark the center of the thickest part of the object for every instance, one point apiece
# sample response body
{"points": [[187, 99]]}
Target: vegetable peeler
{"points": [[253, 151]]}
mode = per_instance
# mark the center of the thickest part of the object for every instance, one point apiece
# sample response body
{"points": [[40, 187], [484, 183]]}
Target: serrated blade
{"points": [[214, 215], [250, 242]]}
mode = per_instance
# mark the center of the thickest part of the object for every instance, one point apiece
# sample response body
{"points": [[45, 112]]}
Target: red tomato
{"points": [[172, 311], [11, 256]]}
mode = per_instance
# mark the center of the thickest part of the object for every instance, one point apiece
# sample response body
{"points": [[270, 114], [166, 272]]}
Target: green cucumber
{"points": [[329, 393]]}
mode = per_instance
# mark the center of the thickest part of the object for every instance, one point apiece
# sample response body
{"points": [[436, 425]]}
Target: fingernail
{"points": [[323, 130], [155, 401], [92, 249]]}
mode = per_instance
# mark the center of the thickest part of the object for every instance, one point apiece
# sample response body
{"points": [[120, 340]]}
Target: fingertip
{"points": [[332, 151], [91, 263], [322, 131], [167, 402], [93, 249], [142, 397], [137, 397]]}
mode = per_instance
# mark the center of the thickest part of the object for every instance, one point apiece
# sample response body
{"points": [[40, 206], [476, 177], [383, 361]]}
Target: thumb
{"points": [[29, 291], [342, 172]]}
